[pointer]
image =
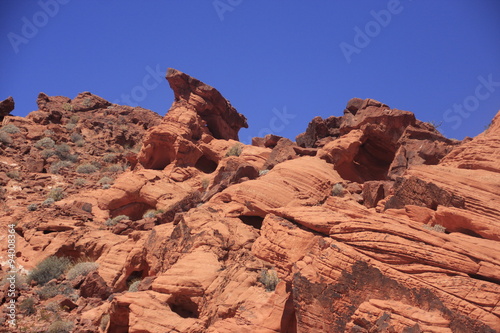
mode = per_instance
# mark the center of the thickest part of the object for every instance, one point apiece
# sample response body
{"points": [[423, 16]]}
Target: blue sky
{"points": [[279, 64]]}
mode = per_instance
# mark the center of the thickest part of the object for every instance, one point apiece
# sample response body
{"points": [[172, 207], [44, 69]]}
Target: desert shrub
{"points": [[269, 278], [105, 180], [10, 128], [46, 153], [80, 182], [134, 286], [56, 193], [32, 207], [115, 168], [80, 143], [63, 151], [116, 219], [109, 158], [81, 269], [48, 132], [436, 227], [205, 182], [14, 174], [70, 126], [60, 326], [27, 306], [56, 167], [76, 137], [74, 119], [86, 168], [5, 138], [48, 202], [48, 269], [106, 186], [263, 172], [53, 289], [67, 107], [104, 321], [338, 190], [45, 143], [152, 213], [235, 150]]}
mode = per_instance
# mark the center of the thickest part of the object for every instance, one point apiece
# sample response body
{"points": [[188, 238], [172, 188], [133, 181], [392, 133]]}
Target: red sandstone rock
{"points": [[6, 107], [219, 236]]}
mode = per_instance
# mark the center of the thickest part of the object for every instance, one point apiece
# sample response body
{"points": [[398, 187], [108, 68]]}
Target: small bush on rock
{"points": [[45, 143], [32, 207], [5, 138], [10, 128], [60, 326], [48, 269], [116, 219], [235, 150], [269, 278], [56, 194], [81, 269], [56, 167], [338, 190], [86, 168]]}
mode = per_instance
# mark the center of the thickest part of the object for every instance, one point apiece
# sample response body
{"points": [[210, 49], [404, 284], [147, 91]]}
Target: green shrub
{"points": [[45, 143], [134, 286], [48, 202], [48, 132], [48, 269], [14, 174], [32, 207], [263, 172], [53, 289], [27, 306], [105, 180], [63, 150], [46, 153], [109, 158], [436, 227], [205, 182], [269, 278], [5, 138], [338, 190], [56, 193], [235, 150], [60, 326], [67, 107], [74, 119], [116, 219], [81, 269], [80, 182], [104, 321], [86, 168], [76, 137], [115, 168], [152, 213], [56, 167], [10, 128]]}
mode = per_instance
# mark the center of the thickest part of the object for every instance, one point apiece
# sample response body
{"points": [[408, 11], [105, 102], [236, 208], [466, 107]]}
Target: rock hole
{"points": [[183, 306], [134, 210], [253, 221], [206, 165]]}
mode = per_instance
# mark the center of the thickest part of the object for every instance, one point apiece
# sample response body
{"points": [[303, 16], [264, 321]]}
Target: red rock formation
{"points": [[372, 222]]}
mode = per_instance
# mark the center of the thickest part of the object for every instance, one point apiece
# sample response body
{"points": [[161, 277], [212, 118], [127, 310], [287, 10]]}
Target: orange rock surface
{"points": [[369, 222]]}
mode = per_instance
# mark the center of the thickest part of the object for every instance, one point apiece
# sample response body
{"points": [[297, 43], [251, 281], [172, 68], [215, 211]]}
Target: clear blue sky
{"points": [[279, 63]]}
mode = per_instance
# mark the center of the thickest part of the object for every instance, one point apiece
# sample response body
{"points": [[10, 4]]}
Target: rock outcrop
{"points": [[369, 222]]}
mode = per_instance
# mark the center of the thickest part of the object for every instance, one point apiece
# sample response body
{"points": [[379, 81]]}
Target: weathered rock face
{"points": [[373, 222], [6, 107]]}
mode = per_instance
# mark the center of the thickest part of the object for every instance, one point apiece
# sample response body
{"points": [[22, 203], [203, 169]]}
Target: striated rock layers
{"points": [[369, 222]]}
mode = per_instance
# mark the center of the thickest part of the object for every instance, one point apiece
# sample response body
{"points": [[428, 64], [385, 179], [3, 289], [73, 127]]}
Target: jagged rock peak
{"points": [[6, 107], [221, 117]]}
